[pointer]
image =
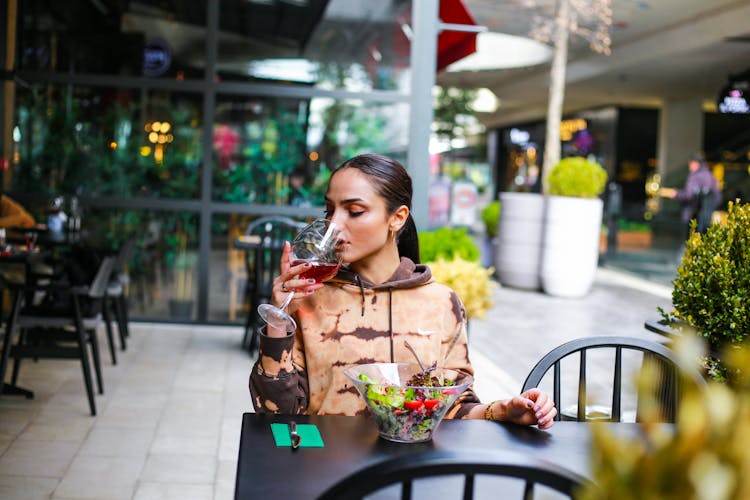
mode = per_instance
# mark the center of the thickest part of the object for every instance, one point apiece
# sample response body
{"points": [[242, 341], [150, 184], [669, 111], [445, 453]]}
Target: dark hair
{"points": [[697, 157], [393, 184]]}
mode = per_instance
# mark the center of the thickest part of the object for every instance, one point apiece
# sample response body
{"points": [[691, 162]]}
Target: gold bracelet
{"points": [[488, 411]]}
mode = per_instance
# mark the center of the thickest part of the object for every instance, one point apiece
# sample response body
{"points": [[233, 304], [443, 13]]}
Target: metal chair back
{"points": [[406, 470], [668, 387]]}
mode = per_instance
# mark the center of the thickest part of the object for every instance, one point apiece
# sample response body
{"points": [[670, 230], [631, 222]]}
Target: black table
{"points": [[351, 443]]}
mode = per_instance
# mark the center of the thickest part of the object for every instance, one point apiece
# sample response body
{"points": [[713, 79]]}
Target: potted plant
{"points": [[711, 292], [453, 258], [490, 217], [469, 279], [447, 243], [572, 223], [519, 240]]}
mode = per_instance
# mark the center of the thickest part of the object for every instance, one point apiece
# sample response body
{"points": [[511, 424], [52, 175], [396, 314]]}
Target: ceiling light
{"points": [[501, 51], [295, 70]]}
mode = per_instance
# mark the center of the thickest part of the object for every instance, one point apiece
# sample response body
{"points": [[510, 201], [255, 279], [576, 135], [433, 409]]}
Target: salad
{"points": [[410, 412]]}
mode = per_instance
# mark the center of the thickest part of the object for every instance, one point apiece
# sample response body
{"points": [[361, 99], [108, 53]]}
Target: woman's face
{"points": [[353, 204]]}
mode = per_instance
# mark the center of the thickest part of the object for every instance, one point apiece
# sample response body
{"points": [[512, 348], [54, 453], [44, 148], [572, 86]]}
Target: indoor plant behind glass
{"points": [[181, 239], [572, 223]]}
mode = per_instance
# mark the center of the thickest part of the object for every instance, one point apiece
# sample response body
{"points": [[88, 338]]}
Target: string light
{"points": [[158, 136]]}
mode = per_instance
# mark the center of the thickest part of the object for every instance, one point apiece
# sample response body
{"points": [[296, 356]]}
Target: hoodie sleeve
{"points": [[457, 350], [278, 385]]}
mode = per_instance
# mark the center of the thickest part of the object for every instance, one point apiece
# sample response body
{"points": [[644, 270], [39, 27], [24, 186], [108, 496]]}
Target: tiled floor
{"points": [[167, 426]]}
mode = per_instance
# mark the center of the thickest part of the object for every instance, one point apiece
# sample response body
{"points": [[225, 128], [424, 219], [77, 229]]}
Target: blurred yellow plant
{"points": [[470, 280], [705, 456]]}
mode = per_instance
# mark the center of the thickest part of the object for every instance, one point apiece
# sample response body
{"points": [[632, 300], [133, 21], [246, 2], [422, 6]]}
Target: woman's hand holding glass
{"points": [[310, 259]]}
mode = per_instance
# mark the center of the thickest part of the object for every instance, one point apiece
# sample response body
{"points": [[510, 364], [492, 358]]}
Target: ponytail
{"points": [[408, 241]]}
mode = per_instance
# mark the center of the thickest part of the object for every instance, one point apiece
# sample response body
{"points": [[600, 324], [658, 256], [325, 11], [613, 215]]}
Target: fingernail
{"points": [[307, 264], [311, 281], [537, 408]]}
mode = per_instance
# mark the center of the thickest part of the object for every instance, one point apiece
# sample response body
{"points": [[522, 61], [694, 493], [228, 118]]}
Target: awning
{"points": [[454, 45]]}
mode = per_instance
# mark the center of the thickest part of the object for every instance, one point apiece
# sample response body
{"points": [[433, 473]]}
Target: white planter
{"points": [[519, 241], [570, 252]]}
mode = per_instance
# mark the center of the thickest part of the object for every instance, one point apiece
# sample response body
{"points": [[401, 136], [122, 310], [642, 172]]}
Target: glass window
{"points": [[164, 269], [356, 45], [281, 151], [228, 273], [228, 286], [158, 39], [107, 142]]}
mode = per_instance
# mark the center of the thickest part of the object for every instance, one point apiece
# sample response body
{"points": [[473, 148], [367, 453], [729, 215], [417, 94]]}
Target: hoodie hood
{"points": [[407, 275]]}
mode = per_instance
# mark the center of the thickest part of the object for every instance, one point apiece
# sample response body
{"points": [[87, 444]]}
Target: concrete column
{"points": [[680, 134], [423, 60]]}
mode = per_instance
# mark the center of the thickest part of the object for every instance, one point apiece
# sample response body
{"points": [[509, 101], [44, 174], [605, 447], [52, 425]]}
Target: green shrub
{"points": [[447, 242], [490, 217], [577, 177], [712, 289]]}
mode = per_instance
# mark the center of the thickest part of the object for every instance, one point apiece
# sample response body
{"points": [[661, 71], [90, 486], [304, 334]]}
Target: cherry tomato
{"points": [[413, 405], [430, 404]]}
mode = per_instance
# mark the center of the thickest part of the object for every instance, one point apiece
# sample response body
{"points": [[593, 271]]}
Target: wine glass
{"points": [[30, 240], [317, 244]]}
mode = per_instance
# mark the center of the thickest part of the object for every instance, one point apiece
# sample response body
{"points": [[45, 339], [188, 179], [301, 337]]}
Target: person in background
{"points": [[299, 196], [12, 214], [380, 298], [699, 197]]}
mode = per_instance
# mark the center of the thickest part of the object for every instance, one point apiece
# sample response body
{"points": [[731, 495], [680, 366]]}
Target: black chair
{"points": [[262, 264], [61, 333], [406, 470], [115, 298], [667, 389]]}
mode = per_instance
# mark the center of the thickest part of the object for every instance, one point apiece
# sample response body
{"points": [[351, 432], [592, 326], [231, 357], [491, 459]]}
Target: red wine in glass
{"points": [[319, 270], [317, 244]]}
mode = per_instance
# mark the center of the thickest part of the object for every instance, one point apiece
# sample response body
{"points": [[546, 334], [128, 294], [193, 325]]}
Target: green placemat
{"points": [[308, 432]]}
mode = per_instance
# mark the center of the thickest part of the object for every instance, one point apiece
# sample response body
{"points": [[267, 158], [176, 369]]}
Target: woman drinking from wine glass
{"points": [[381, 306]]}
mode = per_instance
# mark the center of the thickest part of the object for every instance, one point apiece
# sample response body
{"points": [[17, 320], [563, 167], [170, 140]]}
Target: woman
{"points": [[376, 302]]}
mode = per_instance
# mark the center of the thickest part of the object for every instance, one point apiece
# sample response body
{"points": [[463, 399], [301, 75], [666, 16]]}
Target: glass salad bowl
{"points": [[407, 402]]}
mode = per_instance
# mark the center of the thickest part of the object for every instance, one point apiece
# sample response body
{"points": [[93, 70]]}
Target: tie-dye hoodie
{"points": [[350, 321]]}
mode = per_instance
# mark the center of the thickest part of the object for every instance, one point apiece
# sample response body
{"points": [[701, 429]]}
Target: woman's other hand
{"points": [[531, 407]]}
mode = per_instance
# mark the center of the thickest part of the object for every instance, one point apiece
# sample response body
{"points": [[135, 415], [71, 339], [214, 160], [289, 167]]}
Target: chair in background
{"points": [[668, 387], [116, 298], [262, 264], [64, 332], [407, 470]]}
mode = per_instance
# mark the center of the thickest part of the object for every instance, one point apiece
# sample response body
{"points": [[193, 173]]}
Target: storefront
{"points": [[622, 140], [179, 122]]}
